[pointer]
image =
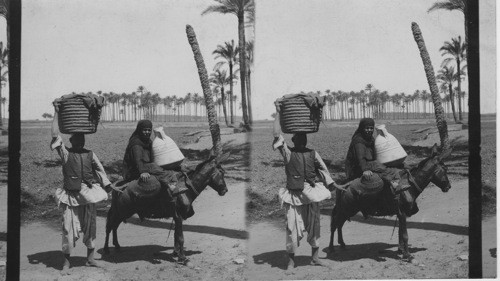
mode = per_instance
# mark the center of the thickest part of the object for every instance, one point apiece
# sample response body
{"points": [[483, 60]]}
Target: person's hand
{"points": [[144, 176], [278, 141], [56, 142], [367, 174]]}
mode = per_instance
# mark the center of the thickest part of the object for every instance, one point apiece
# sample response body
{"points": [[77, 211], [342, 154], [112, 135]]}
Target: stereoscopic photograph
{"points": [[249, 139]]}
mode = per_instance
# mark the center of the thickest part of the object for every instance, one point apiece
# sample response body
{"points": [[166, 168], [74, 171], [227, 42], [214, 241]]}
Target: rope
{"points": [[395, 222], [171, 227], [188, 183]]}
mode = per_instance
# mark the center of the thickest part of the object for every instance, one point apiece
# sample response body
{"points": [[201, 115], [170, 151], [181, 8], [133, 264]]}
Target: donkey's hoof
{"points": [[183, 261], [407, 257]]}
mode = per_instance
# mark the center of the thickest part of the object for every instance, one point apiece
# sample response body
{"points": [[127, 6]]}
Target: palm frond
{"points": [[449, 5]]}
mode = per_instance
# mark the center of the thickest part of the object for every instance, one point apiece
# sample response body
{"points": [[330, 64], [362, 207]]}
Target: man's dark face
{"points": [[77, 141], [368, 132], [145, 134], [300, 141]]}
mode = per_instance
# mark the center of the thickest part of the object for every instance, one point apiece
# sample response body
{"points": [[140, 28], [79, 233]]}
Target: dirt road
{"points": [[438, 237], [215, 238]]}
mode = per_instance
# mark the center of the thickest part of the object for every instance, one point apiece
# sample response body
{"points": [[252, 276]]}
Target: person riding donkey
{"points": [[138, 165], [79, 195], [302, 194], [361, 161]]}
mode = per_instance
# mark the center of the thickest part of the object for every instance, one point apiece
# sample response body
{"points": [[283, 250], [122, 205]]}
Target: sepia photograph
{"points": [[241, 139]]}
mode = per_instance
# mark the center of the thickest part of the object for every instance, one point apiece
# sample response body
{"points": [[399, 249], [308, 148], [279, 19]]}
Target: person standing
{"points": [[302, 194], [83, 177]]}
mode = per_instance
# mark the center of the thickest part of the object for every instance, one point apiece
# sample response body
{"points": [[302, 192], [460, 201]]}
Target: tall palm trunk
{"points": [[241, 36], [231, 92], [452, 99], [224, 105], [249, 96], [459, 91], [1, 117], [431, 80], [207, 93]]}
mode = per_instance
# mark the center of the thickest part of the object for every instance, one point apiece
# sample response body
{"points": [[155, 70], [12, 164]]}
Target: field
{"points": [[332, 142]]}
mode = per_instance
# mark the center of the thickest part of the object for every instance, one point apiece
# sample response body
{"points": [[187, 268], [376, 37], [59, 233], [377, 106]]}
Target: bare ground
{"points": [[438, 236], [215, 237]]}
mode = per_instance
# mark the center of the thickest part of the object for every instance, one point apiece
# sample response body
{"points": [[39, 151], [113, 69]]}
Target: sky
{"points": [[84, 46], [346, 44], [118, 45]]}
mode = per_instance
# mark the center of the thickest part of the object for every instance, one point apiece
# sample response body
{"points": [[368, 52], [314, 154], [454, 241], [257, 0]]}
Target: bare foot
{"points": [[92, 263]]}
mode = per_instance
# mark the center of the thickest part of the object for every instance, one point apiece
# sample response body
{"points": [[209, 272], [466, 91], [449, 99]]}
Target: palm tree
{"points": [[453, 5], [3, 101], [447, 76], [4, 62], [196, 101], [240, 8], [220, 79], [249, 64], [363, 99], [396, 101], [229, 53], [134, 101], [457, 50], [431, 80], [416, 97], [209, 100]]}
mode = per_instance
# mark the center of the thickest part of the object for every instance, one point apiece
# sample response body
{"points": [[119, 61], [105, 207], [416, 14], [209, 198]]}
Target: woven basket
{"points": [[297, 117], [74, 117]]}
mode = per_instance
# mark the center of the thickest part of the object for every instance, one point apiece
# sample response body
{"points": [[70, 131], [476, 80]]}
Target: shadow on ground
{"points": [[389, 221], [167, 225], [54, 259], [154, 254], [379, 252]]}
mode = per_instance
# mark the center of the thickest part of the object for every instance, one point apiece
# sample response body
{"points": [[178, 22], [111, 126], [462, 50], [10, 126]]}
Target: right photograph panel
{"points": [[360, 140]]}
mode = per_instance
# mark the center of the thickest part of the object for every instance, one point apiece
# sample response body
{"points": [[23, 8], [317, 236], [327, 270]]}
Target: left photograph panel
{"points": [[135, 120]]}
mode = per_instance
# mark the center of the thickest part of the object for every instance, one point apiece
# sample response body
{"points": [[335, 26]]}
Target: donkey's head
{"points": [[436, 169], [216, 180]]}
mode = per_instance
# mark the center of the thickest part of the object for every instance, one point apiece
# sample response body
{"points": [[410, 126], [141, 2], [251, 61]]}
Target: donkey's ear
{"points": [[445, 154], [434, 150], [223, 157]]}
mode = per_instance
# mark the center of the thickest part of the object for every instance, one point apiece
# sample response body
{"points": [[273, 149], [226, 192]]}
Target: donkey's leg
{"points": [[340, 236], [179, 241], [108, 230], [403, 236], [115, 237], [332, 230]]}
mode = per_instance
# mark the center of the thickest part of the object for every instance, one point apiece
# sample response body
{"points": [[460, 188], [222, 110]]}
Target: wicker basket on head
{"points": [[75, 115], [298, 116]]}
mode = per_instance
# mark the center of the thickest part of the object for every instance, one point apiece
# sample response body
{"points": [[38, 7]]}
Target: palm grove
{"points": [[380, 104], [232, 68]]}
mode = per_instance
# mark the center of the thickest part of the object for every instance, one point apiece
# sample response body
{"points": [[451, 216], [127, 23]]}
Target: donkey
{"points": [[431, 169], [125, 204]]}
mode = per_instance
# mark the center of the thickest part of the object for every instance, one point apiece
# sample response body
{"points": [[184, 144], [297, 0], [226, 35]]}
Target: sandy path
{"points": [[215, 237], [438, 235]]}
